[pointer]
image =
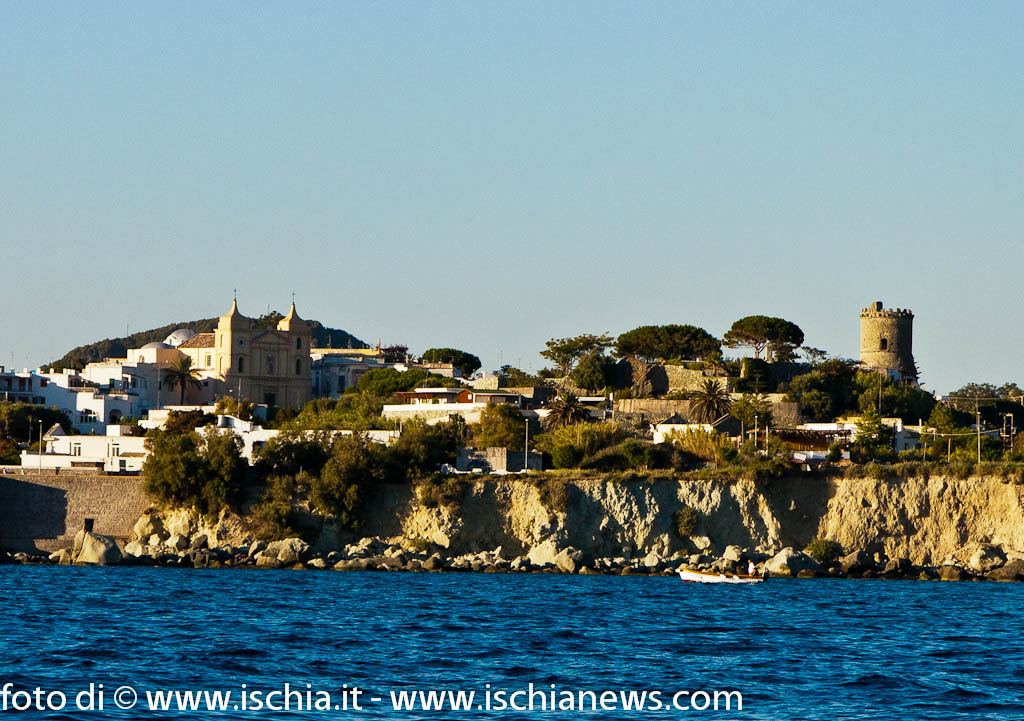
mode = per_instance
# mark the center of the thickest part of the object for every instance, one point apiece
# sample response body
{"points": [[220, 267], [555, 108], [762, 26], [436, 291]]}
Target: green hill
{"points": [[118, 347]]}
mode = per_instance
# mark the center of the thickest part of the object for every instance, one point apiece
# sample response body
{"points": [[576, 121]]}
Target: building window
{"points": [[298, 343], [241, 364], [883, 344], [76, 449], [298, 366], [115, 450], [209, 360], [270, 365]]}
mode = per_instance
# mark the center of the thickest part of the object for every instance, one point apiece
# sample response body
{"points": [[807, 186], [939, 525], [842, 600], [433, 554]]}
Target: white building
{"points": [[435, 405], [254, 436], [89, 408], [113, 452]]}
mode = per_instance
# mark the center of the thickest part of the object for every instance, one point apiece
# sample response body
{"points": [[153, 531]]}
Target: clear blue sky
{"points": [[488, 176]]}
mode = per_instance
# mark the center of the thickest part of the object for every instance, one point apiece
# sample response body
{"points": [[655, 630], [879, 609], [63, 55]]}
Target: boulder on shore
{"points": [[987, 558], [543, 554], [949, 572], [149, 525], [856, 562], [1011, 571], [288, 551], [790, 562], [96, 550], [569, 560]]}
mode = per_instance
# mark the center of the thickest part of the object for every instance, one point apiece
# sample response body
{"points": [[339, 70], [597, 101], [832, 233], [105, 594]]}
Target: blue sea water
{"points": [[813, 649]]}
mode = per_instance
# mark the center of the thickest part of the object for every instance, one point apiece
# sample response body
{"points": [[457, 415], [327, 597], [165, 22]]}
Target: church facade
{"points": [[263, 365]]}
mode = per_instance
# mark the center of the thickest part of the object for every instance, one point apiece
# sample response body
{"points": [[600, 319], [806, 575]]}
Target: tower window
{"points": [[298, 366], [883, 344], [241, 364], [298, 343]]}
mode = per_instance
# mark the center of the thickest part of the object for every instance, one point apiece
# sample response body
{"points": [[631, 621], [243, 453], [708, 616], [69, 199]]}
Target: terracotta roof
{"points": [[199, 340]]}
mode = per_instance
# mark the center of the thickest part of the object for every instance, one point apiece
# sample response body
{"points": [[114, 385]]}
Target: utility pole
{"points": [[924, 446], [977, 418], [40, 446]]}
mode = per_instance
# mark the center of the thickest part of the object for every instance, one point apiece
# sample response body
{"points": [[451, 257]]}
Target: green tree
{"points": [[388, 381], [395, 353], [230, 406], [190, 469], [565, 352], [874, 439], [830, 390], [518, 378], [750, 408], [502, 426], [293, 452], [710, 402], [591, 373], [269, 320], [18, 421], [186, 421], [566, 410], [181, 374], [355, 411], [666, 342], [889, 398], [467, 363], [347, 480], [777, 338], [421, 449]]}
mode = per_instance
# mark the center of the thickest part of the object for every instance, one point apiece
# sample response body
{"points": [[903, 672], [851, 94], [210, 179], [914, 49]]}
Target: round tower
{"points": [[886, 341]]}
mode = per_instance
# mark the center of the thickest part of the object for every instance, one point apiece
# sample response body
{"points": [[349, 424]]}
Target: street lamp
{"points": [[526, 446]]}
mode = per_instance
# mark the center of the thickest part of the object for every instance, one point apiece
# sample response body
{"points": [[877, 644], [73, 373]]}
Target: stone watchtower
{"points": [[886, 338]]}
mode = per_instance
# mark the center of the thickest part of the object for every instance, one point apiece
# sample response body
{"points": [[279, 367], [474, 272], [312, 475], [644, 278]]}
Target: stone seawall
{"points": [[43, 511]]}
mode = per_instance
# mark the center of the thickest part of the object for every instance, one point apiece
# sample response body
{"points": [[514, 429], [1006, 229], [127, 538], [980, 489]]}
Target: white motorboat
{"points": [[705, 577]]}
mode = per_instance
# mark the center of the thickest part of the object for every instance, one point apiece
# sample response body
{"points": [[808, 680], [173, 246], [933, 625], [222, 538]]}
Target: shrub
{"points": [[554, 494], [823, 550], [685, 521], [835, 453], [441, 491], [566, 455], [607, 459], [711, 447], [275, 517]]}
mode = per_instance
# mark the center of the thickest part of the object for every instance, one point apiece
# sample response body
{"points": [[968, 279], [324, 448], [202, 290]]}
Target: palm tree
{"points": [[711, 402], [181, 374], [566, 410]]}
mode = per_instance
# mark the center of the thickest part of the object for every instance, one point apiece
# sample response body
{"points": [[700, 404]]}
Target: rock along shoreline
{"points": [[988, 562]]}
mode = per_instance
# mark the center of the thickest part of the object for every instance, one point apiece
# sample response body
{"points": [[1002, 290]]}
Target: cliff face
{"points": [[923, 520], [927, 521]]}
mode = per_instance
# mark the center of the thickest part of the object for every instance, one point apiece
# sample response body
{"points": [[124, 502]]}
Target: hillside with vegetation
{"points": [[323, 337]]}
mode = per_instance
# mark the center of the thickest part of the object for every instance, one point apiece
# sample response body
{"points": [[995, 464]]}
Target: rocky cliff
{"points": [[927, 521]]}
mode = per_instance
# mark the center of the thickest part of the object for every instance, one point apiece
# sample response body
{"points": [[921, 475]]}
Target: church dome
{"points": [[156, 346], [179, 336]]}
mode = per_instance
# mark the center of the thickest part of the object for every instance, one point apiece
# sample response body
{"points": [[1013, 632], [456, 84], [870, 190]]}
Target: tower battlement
{"points": [[886, 340]]}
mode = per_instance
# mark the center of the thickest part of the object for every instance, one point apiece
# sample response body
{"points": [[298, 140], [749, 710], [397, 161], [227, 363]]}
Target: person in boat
{"points": [[751, 569]]}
